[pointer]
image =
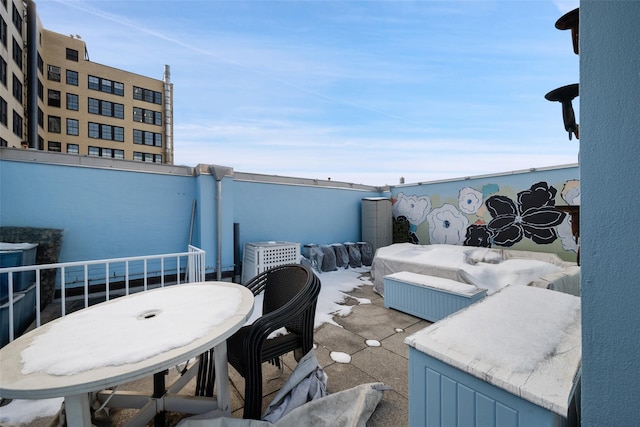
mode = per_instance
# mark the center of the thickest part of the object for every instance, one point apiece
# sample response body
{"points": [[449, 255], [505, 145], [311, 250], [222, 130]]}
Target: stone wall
{"points": [[49, 242]]}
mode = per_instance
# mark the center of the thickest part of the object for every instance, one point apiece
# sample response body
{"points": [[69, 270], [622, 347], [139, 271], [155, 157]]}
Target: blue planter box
{"points": [[16, 255], [441, 395], [428, 297], [4, 318], [511, 360]]}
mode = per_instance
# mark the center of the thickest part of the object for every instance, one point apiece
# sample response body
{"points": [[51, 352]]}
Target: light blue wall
{"points": [[295, 213], [105, 213], [465, 200], [610, 172], [111, 213]]}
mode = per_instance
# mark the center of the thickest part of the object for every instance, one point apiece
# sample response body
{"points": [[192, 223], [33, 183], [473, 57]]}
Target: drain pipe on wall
{"points": [[219, 172]]}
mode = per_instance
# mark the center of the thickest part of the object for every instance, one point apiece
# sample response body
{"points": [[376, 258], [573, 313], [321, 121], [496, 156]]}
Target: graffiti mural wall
{"points": [[516, 211]]}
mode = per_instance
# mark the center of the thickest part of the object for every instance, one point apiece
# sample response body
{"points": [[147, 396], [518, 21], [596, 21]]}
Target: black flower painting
{"points": [[478, 235], [533, 215]]}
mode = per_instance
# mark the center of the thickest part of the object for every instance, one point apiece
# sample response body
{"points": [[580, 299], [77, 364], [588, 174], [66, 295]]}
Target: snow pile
{"points": [[340, 357], [25, 411]]}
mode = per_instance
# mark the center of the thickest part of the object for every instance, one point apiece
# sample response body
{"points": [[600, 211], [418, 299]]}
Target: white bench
{"points": [[428, 297]]}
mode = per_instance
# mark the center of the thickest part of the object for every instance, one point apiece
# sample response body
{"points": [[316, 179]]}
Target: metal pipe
{"points": [[32, 76], [168, 116], [219, 228], [219, 172]]}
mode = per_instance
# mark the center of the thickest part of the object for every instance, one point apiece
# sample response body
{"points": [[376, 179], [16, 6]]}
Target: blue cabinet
{"points": [[509, 360]]}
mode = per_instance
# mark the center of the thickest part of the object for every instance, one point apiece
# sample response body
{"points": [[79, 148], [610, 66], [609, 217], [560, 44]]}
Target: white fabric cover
{"points": [[348, 408]]}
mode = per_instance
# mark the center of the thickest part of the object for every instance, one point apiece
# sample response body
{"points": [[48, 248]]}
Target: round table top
{"points": [[20, 381]]}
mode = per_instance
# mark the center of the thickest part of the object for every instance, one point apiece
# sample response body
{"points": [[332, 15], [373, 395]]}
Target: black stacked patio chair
{"points": [[290, 297]]}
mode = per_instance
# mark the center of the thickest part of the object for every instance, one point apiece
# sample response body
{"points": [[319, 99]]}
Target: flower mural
{"points": [[571, 192], [447, 225], [469, 200], [414, 208], [478, 235], [533, 215], [566, 236]]}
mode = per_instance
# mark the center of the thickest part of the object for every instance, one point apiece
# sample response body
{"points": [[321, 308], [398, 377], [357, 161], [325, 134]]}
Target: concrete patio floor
{"points": [[387, 363]]}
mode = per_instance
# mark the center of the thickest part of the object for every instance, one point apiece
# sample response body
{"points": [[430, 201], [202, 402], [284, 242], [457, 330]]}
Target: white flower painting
{"points": [[414, 208], [447, 225], [469, 200]]}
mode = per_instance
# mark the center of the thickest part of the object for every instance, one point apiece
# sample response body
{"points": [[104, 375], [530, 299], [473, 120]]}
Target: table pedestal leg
{"points": [[159, 390], [222, 378], [77, 410]]}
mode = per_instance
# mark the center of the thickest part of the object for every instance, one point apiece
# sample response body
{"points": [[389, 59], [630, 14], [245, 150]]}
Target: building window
{"points": [[40, 64], [73, 149], [72, 127], [94, 106], [72, 78], [4, 114], [147, 95], [106, 85], [3, 72], [54, 146], [17, 88], [3, 32], [147, 157], [54, 124], [118, 134], [53, 73], [94, 83], [3, 142], [17, 19], [147, 116], [72, 102], [147, 138], [108, 132], [53, 98], [72, 55], [17, 53], [106, 108], [94, 130], [106, 152], [118, 88], [118, 111], [40, 90], [40, 118], [17, 124]]}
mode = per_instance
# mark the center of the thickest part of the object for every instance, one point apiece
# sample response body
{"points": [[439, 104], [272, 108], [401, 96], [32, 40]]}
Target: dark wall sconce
{"points": [[565, 95], [570, 21]]}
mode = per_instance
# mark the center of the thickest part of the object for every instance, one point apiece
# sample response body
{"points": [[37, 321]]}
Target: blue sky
{"points": [[357, 91]]}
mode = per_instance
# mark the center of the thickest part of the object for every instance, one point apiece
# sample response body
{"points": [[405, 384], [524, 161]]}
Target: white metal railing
{"points": [[89, 271]]}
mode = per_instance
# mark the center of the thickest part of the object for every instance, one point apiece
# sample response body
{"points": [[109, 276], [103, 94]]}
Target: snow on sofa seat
{"points": [[428, 297], [487, 268]]}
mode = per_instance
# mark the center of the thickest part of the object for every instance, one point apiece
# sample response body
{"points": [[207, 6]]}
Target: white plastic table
{"points": [[76, 387]]}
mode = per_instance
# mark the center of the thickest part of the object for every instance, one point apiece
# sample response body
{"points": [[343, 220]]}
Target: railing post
{"points": [[10, 290]]}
